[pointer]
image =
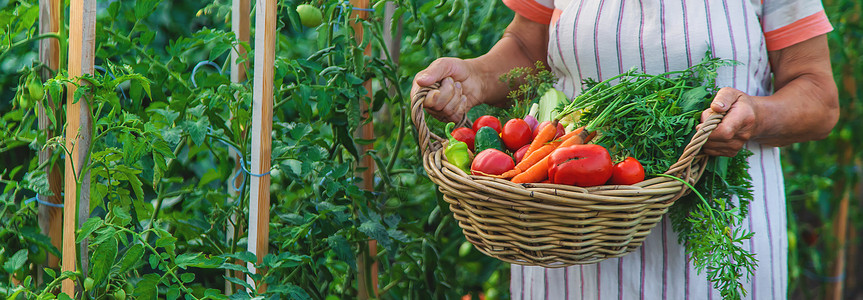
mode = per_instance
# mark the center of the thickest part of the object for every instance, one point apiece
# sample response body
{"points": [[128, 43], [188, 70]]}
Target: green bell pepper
{"points": [[456, 151]]}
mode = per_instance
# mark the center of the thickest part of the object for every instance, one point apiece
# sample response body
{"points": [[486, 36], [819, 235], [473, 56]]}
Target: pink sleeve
{"points": [[788, 22], [539, 11]]}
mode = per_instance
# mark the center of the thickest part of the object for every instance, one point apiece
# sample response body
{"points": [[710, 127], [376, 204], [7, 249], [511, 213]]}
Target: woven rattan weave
{"points": [[553, 225]]}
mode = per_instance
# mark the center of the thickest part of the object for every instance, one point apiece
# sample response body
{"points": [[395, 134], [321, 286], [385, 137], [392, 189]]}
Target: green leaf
{"points": [[131, 258], [242, 283], [292, 291], [147, 288], [103, 259], [187, 277], [121, 215], [219, 49], [376, 231], [339, 244], [15, 262], [162, 147], [210, 176], [197, 130], [88, 227]]}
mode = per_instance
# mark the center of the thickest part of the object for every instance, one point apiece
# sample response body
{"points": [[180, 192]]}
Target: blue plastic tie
{"points": [[43, 202], [204, 63], [103, 70], [243, 166]]}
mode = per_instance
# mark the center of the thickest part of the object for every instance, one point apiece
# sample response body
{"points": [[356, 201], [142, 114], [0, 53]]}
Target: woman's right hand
{"points": [[460, 88]]}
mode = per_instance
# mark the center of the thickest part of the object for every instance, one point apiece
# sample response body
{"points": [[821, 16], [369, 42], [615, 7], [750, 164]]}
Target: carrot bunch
{"points": [[534, 166]]}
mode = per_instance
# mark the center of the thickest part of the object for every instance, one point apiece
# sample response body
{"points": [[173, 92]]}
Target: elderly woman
{"points": [[781, 93]]}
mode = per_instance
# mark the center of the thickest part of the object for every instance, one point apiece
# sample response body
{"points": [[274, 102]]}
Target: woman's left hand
{"points": [[736, 128]]}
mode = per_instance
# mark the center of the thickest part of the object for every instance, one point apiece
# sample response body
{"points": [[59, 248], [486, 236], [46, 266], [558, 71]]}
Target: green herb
{"points": [[701, 224], [527, 85]]}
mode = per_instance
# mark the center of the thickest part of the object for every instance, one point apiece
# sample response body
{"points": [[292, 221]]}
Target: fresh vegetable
{"points": [[627, 172], [34, 87], [548, 105], [518, 155], [539, 171], [532, 122], [487, 120], [487, 138], [491, 162], [456, 151], [561, 130], [544, 135], [516, 133], [465, 135], [88, 284], [120, 294], [581, 165], [527, 86], [310, 16]]}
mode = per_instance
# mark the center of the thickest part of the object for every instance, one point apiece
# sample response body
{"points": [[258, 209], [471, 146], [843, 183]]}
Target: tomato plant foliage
{"points": [[167, 207]]}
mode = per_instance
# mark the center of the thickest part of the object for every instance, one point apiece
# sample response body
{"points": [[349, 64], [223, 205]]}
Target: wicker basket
{"points": [[553, 225]]}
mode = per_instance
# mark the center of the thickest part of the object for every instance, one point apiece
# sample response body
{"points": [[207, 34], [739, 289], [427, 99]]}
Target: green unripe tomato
{"points": [[38, 256], [310, 16], [88, 284], [120, 294], [464, 249], [35, 88]]}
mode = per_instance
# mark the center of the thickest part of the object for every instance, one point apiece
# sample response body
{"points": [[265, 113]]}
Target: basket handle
{"points": [[424, 134], [691, 151]]}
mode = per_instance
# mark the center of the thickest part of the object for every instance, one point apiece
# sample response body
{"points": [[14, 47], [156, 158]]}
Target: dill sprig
{"points": [[526, 85]]}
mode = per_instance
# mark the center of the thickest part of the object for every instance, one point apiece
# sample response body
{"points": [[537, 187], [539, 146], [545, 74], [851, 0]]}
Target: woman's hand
{"points": [[804, 107], [460, 88], [467, 83], [736, 128]]}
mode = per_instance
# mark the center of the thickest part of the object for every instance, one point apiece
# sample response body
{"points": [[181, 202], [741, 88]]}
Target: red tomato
{"points": [[560, 130], [465, 135], [486, 120], [491, 162], [581, 165], [627, 172], [519, 155], [516, 133]]}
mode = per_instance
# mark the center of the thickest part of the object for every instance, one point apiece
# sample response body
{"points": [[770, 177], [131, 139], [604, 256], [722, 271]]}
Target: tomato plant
{"points": [[167, 206]]}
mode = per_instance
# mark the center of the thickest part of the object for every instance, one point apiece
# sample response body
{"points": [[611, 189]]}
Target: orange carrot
{"points": [[539, 171], [530, 160], [536, 173], [545, 135]]}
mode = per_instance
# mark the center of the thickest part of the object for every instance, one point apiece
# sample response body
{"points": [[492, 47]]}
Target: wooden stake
{"points": [[240, 27], [262, 127], [82, 16], [88, 58], [50, 218], [73, 120], [368, 175]]}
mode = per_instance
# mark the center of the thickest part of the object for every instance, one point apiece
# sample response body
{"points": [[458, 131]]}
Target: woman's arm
{"points": [[467, 83], [804, 107]]}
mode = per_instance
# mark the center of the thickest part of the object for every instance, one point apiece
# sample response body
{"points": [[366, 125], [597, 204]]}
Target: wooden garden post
{"points": [[82, 16], [262, 127], [240, 27], [366, 132], [50, 218]]}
